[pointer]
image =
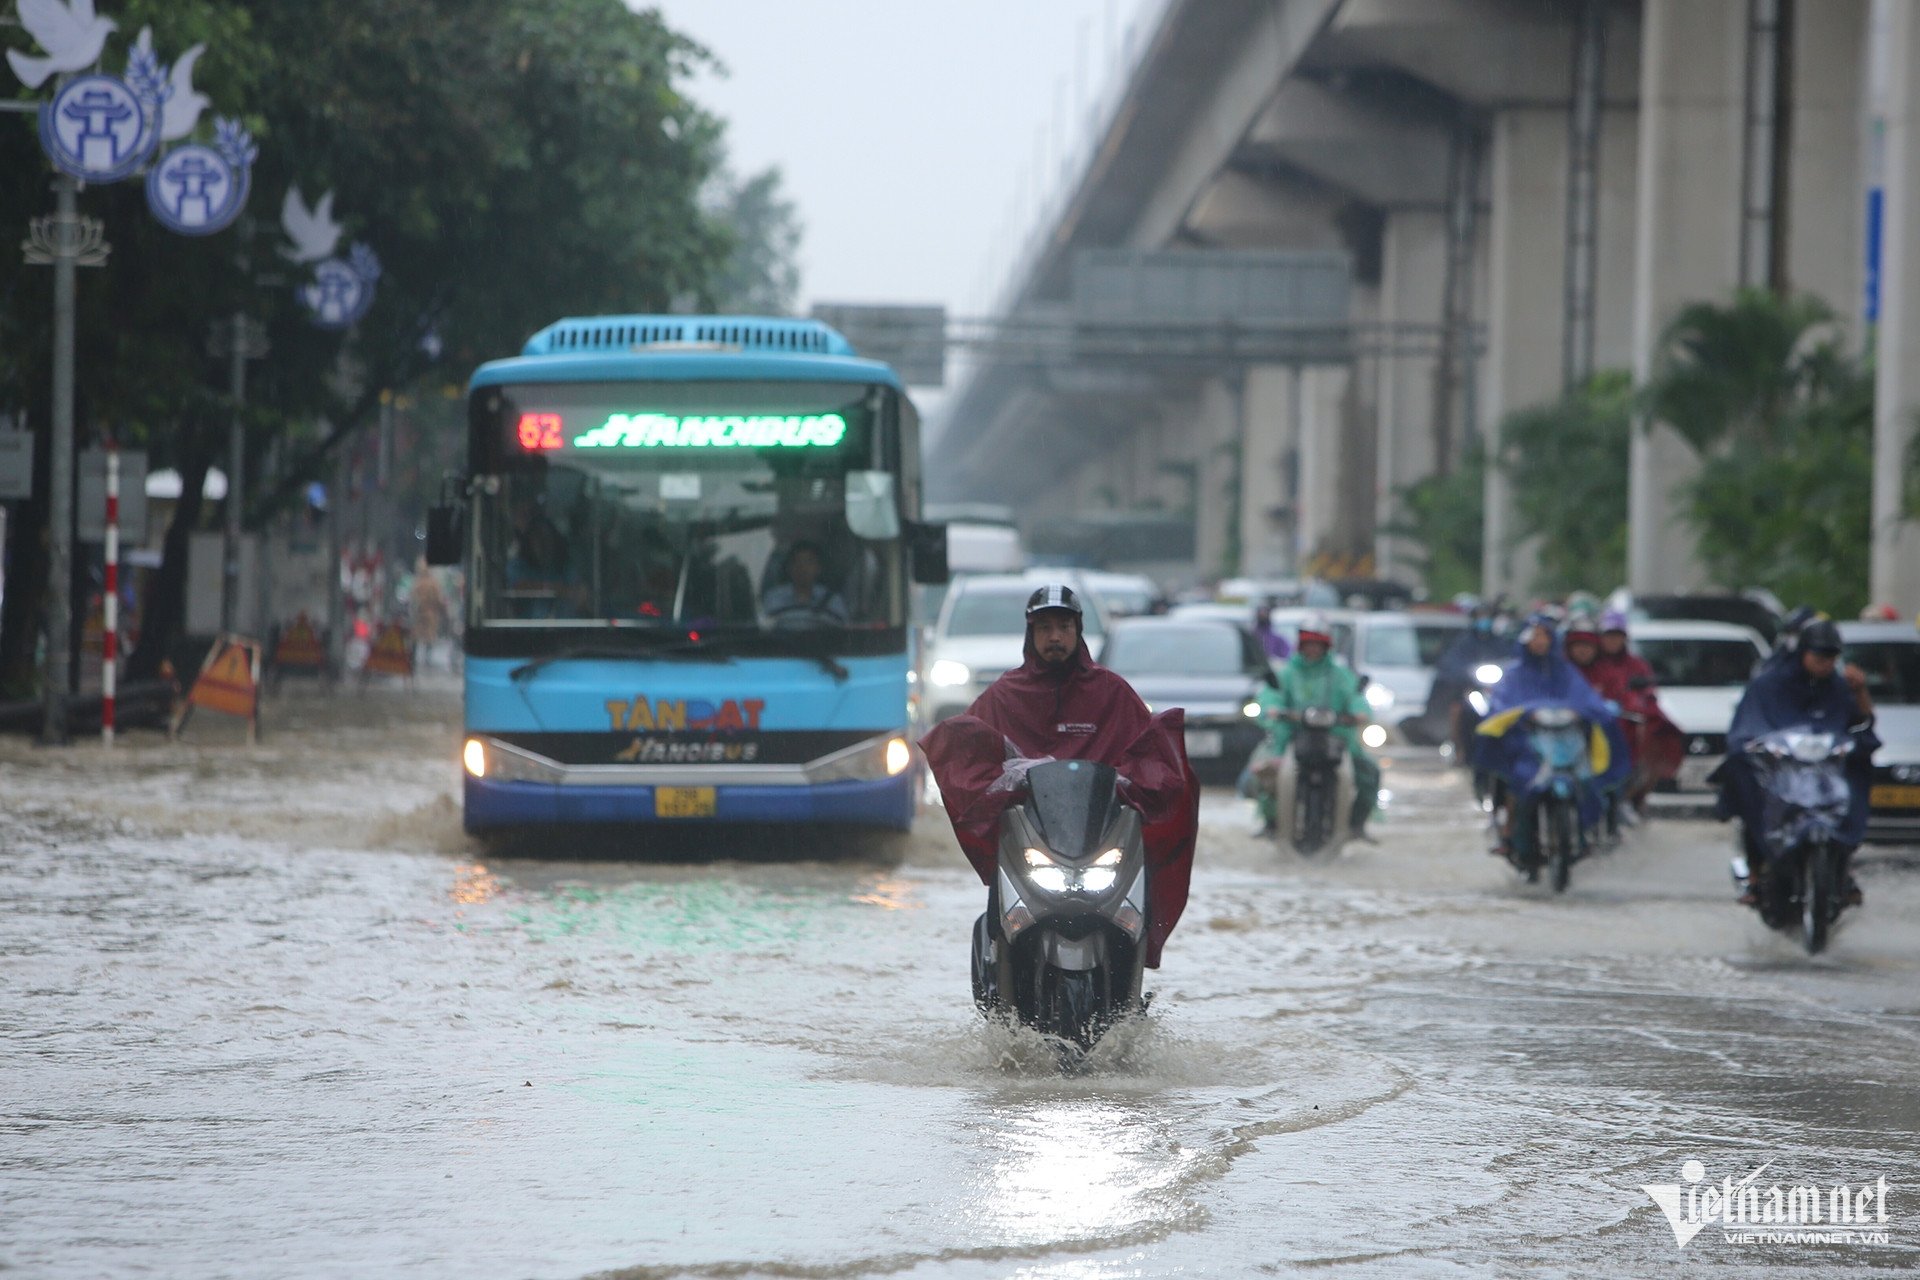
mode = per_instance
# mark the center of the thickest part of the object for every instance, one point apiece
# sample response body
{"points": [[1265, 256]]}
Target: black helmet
{"points": [[1819, 636], [1799, 618], [1060, 597]]}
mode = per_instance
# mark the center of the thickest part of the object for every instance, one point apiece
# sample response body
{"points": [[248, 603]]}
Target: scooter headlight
{"points": [[1478, 701], [1379, 697], [1098, 879], [1488, 673], [1044, 874], [1111, 858]]}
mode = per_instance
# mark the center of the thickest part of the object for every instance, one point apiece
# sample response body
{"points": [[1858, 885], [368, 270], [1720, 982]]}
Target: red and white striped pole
{"points": [[110, 606]]}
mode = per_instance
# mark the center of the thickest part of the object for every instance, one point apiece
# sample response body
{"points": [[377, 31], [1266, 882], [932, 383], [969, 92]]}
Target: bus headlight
{"points": [[898, 757], [949, 674], [474, 757]]}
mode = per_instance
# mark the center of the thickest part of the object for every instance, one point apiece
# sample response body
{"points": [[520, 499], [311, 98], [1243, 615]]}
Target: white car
{"points": [[1702, 669], [1889, 654], [1398, 652], [982, 630], [1286, 621]]}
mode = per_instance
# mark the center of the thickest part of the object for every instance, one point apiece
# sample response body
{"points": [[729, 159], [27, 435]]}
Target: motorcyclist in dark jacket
{"points": [[1481, 644], [1812, 691]]}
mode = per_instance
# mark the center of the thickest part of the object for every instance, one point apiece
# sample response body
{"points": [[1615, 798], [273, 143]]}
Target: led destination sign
{"points": [[539, 432]]}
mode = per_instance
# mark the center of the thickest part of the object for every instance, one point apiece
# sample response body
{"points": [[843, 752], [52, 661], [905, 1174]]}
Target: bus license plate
{"points": [[683, 802], [1894, 798], [1206, 743]]}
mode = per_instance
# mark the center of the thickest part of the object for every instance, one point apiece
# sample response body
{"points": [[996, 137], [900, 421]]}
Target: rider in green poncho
{"points": [[1314, 678]]}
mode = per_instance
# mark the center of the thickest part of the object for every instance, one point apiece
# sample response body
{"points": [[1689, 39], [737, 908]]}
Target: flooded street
{"points": [[266, 1012]]}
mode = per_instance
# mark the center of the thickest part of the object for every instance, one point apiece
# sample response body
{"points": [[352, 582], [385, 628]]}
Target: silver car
{"points": [[1889, 654]]}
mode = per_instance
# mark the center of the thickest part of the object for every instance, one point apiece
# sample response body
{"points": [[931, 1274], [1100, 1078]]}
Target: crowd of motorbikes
{"points": [[1559, 769]]}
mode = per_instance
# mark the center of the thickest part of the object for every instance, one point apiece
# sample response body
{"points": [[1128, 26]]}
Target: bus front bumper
{"points": [[887, 802]]}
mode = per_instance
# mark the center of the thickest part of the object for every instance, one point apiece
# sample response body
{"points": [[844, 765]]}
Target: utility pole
{"points": [[240, 339], [65, 241]]}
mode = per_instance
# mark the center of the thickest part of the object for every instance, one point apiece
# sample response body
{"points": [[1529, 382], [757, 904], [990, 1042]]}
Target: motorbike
{"points": [[1561, 837], [1805, 800], [1314, 785], [1473, 709], [1062, 944]]}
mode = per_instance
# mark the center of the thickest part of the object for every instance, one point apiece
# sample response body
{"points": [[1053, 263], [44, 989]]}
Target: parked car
{"points": [[1398, 653], [1211, 668], [1889, 654], [1703, 668], [981, 631], [1755, 610]]}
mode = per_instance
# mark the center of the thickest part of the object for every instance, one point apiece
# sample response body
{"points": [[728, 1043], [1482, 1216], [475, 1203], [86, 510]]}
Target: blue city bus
{"points": [[688, 544]]}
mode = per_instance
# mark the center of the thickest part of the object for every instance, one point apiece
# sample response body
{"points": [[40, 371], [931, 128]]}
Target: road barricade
{"points": [[229, 682]]}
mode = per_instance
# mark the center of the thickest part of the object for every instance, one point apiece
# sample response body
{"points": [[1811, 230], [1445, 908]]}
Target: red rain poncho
{"points": [[1657, 745], [1077, 711]]}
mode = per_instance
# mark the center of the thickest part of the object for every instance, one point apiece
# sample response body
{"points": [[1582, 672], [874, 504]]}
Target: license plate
{"points": [[683, 802], [1205, 742], [1894, 798], [1694, 771]]}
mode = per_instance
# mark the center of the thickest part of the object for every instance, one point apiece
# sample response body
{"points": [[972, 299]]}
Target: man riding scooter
{"points": [[1314, 678]]}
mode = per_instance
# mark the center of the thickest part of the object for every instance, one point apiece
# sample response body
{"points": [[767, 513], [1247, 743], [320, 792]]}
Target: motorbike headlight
{"points": [[1811, 748], [1478, 701], [1043, 873], [1379, 697], [1373, 737], [1098, 879], [1554, 717], [1251, 711], [1489, 673], [948, 674], [1111, 858]]}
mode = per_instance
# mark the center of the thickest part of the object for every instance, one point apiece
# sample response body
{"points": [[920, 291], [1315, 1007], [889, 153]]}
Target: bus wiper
{"points": [[532, 667], [826, 661]]}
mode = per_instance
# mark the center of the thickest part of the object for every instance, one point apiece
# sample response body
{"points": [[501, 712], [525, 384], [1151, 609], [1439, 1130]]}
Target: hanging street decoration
{"points": [[69, 33], [97, 129], [197, 189], [106, 128], [342, 289]]}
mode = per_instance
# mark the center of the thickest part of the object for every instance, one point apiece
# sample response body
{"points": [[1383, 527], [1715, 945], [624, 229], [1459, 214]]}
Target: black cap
{"points": [[1820, 636], [1060, 597]]}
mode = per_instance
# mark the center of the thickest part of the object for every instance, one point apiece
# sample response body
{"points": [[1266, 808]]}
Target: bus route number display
{"points": [[547, 432]]}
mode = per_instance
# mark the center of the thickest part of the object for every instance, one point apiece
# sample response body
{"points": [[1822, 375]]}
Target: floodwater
{"points": [[266, 1012]]}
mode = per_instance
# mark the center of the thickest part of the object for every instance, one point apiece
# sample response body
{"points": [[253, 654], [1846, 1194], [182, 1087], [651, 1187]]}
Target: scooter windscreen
{"points": [[1073, 802]]}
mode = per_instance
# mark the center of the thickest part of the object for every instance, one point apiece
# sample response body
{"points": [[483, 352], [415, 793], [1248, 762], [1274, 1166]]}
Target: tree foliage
{"points": [[1443, 515], [1782, 418], [1567, 464], [511, 161], [762, 272]]}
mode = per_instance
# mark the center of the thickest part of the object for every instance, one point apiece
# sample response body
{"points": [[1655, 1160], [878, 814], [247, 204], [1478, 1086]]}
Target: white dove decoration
{"points": [[183, 103], [70, 33], [313, 231]]}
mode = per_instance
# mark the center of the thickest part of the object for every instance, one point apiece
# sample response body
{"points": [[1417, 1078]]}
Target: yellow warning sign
{"points": [[229, 682], [392, 653], [299, 648]]}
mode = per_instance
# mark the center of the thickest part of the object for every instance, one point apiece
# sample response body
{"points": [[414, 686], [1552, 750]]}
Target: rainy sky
{"points": [[908, 130]]}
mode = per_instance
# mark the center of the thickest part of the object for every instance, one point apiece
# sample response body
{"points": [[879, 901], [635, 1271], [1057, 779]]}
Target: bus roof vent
{"points": [[610, 334]]}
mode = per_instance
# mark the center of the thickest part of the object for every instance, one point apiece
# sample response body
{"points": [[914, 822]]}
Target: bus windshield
{"points": [[674, 505]]}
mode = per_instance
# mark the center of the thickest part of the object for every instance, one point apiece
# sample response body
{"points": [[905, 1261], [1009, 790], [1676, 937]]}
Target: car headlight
{"points": [[947, 673], [1251, 711], [1379, 697], [1488, 673]]}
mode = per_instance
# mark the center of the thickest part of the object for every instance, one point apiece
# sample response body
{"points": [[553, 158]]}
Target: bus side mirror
{"points": [[927, 544], [443, 534]]}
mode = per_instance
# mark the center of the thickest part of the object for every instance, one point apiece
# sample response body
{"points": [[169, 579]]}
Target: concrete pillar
{"points": [[1896, 540], [1526, 303], [1216, 440], [1692, 94], [1266, 489], [1324, 398], [1826, 158], [1412, 284]]}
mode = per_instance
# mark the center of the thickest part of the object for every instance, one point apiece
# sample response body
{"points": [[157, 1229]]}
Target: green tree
{"points": [[1567, 464], [1782, 418], [1443, 514], [762, 272], [511, 161]]}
